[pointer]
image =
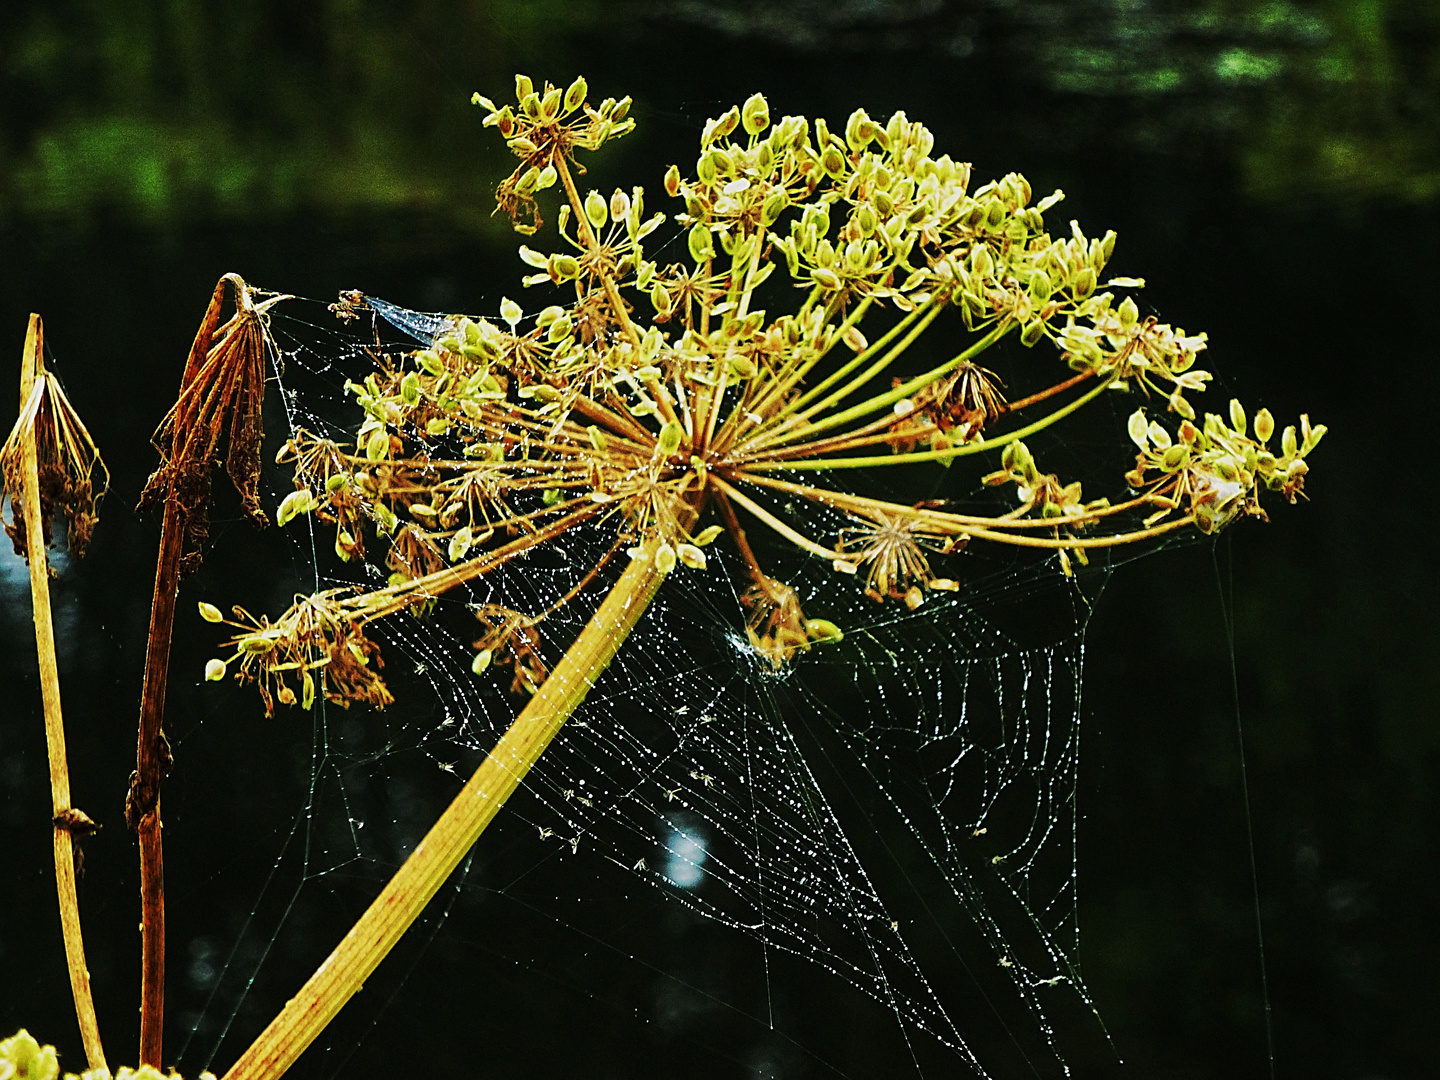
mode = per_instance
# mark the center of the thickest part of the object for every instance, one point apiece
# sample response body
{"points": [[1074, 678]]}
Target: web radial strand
{"points": [[897, 809]]}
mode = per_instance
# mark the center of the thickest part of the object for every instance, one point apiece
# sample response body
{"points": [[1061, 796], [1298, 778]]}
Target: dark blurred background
{"points": [[1273, 170]]}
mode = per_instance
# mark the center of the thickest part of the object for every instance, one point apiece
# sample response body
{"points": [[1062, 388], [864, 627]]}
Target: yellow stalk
{"points": [[939, 518], [32, 372], [980, 446], [792, 408], [798, 539], [445, 845], [899, 393]]}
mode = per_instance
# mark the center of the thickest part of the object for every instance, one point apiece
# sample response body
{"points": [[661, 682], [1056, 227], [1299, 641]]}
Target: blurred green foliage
{"points": [[185, 108], [1325, 101], [257, 108]]}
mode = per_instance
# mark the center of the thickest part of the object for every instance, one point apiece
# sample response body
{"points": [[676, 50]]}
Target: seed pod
{"points": [[550, 104], [307, 691], [410, 389], [707, 535], [670, 436], [595, 209], [1083, 283], [823, 630], [1288, 443], [773, 206], [755, 116], [523, 87], [665, 558], [437, 425], [214, 670], [295, 504], [826, 279], [1032, 333], [482, 661], [1237, 416], [672, 181], [1264, 425], [210, 613], [575, 95], [702, 245], [547, 178], [460, 544], [691, 556], [832, 161], [511, 312], [1128, 313], [982, 263], [565, 267]]}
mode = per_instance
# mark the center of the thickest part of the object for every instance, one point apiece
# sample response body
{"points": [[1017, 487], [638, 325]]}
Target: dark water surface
{"points": [[330, 152]]}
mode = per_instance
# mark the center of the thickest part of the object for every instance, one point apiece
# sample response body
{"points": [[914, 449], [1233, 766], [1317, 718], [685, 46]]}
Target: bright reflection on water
{"points": [[684, 856]]}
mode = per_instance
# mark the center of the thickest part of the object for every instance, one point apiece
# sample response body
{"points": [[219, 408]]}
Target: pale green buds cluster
{"points": [[1040, 492], [23, 1058], [1218, 470]]}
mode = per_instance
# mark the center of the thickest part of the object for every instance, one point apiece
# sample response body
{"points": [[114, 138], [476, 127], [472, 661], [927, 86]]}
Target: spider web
{"points": [[897, 810]]}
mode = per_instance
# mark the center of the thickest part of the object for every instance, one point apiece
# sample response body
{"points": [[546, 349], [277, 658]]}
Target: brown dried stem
{"points": [[220, 393], [67, 819]]}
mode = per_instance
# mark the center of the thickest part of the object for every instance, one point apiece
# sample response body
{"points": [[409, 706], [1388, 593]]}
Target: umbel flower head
{"points": [[675, 401]]}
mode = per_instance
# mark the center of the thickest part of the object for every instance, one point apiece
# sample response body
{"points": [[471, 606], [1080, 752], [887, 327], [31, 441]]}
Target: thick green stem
{"points": [[445, 845]]}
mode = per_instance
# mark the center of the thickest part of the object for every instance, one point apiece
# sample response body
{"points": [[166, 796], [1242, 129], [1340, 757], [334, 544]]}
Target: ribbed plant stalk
{"points": [[65, 816], [220, 389], [445, 845]]}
